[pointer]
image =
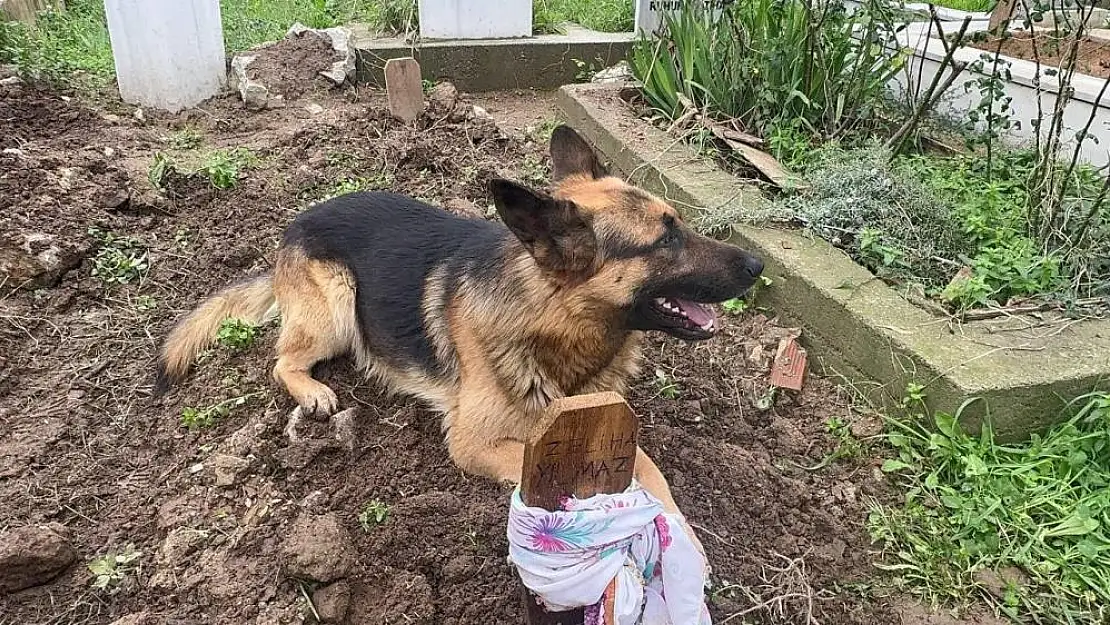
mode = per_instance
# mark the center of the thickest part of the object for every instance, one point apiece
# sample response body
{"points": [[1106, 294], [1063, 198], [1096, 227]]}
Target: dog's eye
{"points": [[670, 239]]}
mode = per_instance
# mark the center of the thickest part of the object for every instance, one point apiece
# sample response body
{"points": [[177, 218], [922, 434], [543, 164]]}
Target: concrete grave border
{"points": [[1022, 370], [476, 65]]}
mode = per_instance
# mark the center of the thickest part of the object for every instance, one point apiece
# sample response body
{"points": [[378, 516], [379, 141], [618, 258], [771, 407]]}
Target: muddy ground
{"points": [[1049, 50], [227, 517]]}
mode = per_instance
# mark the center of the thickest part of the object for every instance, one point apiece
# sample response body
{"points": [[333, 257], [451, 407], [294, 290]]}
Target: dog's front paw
{"points": [[321, 404]]}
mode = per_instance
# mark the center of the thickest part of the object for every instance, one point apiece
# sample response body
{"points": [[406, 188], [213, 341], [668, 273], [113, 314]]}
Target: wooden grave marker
{"points": [[585, 445], [404, 89]]}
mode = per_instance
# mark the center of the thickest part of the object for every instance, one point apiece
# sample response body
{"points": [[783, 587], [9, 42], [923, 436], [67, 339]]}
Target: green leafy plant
{"points": [[223, 167], [666, 386], [69, 47], [208, 416], [374, 513], [119, 260], [187, 138], [236, 334], [1035, 513], [112, 569], [768, 62], [734, 306], [160, 167]]}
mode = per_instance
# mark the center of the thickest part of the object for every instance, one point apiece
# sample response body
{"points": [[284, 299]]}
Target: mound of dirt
{"points": [[291, 67], [230, 530]]}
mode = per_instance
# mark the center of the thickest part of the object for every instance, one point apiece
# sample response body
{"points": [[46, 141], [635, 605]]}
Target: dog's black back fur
{"points": [[391, 244]]}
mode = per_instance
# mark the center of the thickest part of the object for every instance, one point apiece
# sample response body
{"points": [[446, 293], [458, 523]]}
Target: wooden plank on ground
{"points": [[404, 88], [26, 10], [585, 445]]}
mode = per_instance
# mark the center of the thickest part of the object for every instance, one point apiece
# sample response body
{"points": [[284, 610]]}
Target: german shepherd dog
{"points": [[486, 322]]}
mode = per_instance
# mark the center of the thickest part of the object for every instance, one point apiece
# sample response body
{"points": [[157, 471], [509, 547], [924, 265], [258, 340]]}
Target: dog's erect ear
{"points": [[571, 155], [554, 231]]}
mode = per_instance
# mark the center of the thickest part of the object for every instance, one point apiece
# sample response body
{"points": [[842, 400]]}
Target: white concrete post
{"points": [[475, 19], [169, 54]]}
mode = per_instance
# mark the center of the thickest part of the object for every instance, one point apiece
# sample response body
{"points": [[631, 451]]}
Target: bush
{"points": [[882, 215], [770, 62]]}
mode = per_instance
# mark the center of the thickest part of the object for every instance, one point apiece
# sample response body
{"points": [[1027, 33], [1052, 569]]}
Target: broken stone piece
{"points": [[33, 555]]}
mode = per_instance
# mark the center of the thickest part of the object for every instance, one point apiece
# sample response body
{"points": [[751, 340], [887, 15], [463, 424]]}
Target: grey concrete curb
{"points": [[542, 62], [1021, 369]]}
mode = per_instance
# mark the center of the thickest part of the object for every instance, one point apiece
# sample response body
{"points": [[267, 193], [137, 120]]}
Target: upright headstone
{"points": [[169, 54], [475, 19], [403, 88], [649, 13]]}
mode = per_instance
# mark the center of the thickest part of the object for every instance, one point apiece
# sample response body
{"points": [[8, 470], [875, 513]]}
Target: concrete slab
{"points": [[1022, 370], [542, 62]]}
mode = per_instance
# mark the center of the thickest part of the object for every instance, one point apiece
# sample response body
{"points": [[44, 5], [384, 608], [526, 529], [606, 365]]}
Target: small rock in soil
{"points": [[318, 548], [180, 543], [332, 601], [443, 98], [229, 470], [139, 618], [458, 568], [33, 555], [38, 260]]}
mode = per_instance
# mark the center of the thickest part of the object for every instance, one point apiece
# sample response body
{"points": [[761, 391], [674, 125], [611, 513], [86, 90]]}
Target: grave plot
{"points": [[197, 507]]}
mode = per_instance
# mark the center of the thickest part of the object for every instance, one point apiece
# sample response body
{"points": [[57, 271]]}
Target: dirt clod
{"points": [[228, 470], [443, 98], [332, 601], [33, 555], [318, 548]]}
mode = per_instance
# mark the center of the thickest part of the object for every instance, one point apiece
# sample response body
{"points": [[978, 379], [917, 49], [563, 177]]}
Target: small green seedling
{"points": [[120, 260], [848, 446], [207, 417], [187, 138], [110, 570], [236, 334], [159, 169], [373, 514], [667, 385], [223, 167], [145, 303], [734, 306]]}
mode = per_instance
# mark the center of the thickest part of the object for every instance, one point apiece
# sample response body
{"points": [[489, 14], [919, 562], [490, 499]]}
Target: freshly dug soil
{"points": [[1093, 57], [225, 516], [291, 67]]}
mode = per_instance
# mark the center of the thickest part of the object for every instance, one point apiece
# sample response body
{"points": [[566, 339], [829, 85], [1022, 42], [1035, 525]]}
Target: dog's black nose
{"points": [[753, 266]]}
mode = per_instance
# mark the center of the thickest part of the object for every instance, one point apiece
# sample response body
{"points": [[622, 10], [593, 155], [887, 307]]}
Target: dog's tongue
{"points": [[698, 313]]}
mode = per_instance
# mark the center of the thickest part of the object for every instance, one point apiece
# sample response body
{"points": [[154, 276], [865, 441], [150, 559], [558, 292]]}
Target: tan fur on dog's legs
{"points": [[317, 308], [472, 449]]}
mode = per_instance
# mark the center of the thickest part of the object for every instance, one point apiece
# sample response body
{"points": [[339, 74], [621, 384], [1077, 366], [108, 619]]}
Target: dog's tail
{"points": [[252, 302]]}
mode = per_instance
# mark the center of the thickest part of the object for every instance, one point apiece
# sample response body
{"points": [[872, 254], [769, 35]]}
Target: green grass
{"points": [[206, 417], [72, 47], [1032, 516], [609, 16], [975, 6], [224, 167], [76, 40]]}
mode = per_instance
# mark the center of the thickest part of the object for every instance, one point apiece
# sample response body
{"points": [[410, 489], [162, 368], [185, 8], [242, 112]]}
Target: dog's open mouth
{"points": [[698, 319]]}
